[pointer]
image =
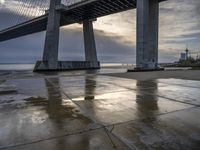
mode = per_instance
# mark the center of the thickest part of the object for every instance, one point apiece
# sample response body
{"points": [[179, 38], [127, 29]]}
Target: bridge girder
{"points": [[69, 15]]}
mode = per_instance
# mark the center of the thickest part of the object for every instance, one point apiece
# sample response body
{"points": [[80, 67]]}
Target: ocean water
{"points": [[23, 67], [16, 66]]}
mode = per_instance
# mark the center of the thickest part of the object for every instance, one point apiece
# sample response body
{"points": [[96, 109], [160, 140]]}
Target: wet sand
{"points": [[185, 74], [103, 110]]}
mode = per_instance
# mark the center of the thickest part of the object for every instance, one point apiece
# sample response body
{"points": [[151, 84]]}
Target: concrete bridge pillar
{"points": [[147, 34], [52, 36], [89, 44], [50, 53], [50, 56]]}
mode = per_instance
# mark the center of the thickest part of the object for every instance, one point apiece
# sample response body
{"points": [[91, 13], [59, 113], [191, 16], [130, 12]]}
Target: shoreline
{"points": [[182, 74]]}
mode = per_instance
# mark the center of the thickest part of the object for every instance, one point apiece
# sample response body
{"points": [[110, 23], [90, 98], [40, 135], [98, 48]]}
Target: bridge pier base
{"points": [[64, 66], [50, 56], [147, 35]]}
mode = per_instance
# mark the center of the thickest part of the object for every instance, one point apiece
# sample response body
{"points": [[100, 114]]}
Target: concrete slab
{"points": [[180, 82], [85, 85], [179, 130], [65, 65], [181, 93], [38, 114], [114, 108], [93, 140], [93, 111]]}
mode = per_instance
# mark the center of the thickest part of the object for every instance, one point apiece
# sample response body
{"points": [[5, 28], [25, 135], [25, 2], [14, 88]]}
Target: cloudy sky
{"points": [[115, 36]]}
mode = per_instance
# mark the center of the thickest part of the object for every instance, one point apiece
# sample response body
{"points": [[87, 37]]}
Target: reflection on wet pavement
{"points": [[93, 111]]}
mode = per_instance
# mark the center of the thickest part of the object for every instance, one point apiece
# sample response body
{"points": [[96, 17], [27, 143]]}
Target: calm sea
{"points": [[31, 66], [16, 66]]}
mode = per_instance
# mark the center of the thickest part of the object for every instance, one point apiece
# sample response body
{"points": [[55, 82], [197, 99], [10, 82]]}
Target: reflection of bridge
{"points": [[86, 11]]}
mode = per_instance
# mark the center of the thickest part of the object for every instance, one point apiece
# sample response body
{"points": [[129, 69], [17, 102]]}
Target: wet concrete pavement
{"points": [[78, 111]]}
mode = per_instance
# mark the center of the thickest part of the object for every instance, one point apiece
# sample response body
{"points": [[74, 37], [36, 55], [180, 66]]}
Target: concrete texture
{"points": [[147, 34], [89, 43], [50, 55], [147, 38], [52, 35], [66, 65], [81, 111]]}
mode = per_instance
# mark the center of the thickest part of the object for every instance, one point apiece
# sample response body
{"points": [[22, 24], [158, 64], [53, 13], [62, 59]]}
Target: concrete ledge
{"points": [[145, 69], [66, 65]]}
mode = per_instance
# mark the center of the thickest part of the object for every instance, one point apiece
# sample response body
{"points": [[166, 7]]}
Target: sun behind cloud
{"points": [[2, 1]]}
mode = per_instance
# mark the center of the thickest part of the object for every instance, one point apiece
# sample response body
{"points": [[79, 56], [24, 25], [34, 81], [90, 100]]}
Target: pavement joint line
{"points": [[133, 89], [58, 136], [51, 138], [94, 120], [22, 101], [127, 122], [70, 98], [174, 111], [153, 80], [112, 142], [117, 137], [113, 125], [103, 126], [147, 117], [179, 85], [171, 99], [88, 130]]}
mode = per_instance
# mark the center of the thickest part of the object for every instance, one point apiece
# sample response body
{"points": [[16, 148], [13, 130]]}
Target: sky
{"points": [[115, 36]]}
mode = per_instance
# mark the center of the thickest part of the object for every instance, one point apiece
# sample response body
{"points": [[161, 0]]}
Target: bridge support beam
{"points": [[50, 54], [147, 35], [89, 44]]}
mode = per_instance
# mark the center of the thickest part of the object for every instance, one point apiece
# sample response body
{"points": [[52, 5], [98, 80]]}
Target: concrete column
{"points": [[147, 34], [50, 54], [89, 43]]}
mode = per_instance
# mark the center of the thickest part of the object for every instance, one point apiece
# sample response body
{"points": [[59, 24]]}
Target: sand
{"points": [[188, 75]]}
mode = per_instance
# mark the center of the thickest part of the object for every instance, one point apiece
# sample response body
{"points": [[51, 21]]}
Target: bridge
{"points": [[60, 13]]}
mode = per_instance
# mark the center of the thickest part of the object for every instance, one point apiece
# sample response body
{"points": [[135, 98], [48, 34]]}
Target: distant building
{"points": [[189, 54], [183, 56]]}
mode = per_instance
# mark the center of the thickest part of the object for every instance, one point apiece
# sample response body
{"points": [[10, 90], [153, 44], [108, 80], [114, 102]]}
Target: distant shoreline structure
{"points": [[30, 66]]}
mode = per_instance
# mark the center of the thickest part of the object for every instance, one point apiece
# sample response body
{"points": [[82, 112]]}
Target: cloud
{"points": [[2, 2]]}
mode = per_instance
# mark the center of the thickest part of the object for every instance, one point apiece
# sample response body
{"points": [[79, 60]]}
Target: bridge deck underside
{"points": [[74, 14]]}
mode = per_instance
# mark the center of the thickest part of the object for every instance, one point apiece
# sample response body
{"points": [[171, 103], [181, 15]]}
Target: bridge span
{"points": [[85, 12]]}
